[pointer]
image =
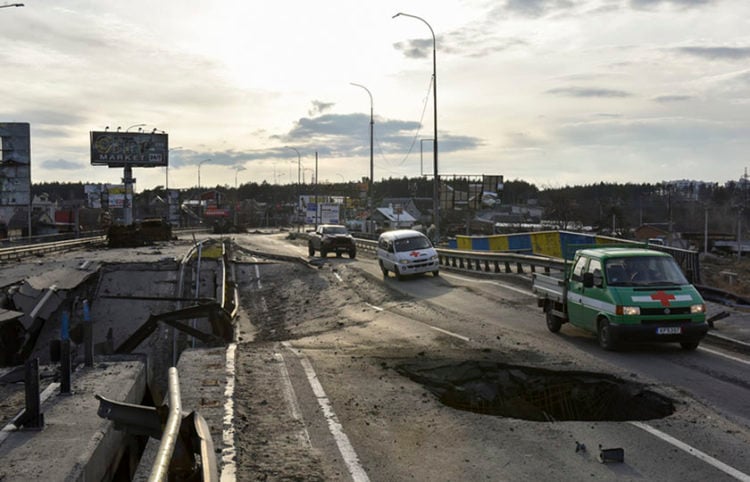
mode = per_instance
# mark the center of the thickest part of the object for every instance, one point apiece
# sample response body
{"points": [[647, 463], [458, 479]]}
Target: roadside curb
{"points": [[728, 343]]}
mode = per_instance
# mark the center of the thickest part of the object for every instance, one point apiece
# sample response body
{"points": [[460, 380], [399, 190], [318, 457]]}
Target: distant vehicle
{"points": [[406, 252], [331, 238], [624, 294], [656, 241]]}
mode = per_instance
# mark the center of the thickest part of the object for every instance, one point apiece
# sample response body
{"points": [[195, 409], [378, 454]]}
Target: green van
{"points": [[624, 295]]}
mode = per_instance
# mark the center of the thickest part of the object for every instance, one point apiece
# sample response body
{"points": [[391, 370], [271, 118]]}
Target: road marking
{"points": [[229, 452], [291, 396], [482, 281], [449, 333], [257, 274], [346, 450], [337, 276], [376, 308], [731, 471], [724, 355]]}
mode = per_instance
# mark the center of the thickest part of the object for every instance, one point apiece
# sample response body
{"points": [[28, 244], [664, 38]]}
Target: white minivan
{"points": [[405, 252]]}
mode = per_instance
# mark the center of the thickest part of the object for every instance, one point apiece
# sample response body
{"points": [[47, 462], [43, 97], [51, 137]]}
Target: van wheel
{"points": [[689, 345], [399, 276], [383, 269], [606, 338], [554, 322]]}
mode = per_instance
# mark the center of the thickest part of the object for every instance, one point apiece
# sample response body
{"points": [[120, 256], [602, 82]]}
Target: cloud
{"points": [[62, 164], [471, 41], [650, 4], [318, 107], [666, 99], [717, 53], [588, 92], [537, 8]]}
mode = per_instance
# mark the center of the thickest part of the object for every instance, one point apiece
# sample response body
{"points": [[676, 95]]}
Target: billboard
{"points": [[15, 164], [135, 149]]}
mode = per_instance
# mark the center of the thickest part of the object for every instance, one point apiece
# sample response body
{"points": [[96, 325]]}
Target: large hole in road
{"points": [[538, 394]]}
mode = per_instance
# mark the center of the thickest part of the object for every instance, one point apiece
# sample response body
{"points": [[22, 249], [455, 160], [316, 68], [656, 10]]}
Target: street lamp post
{"points": [[134, 125], [436, 180], [369, 182], [421, 155], [199, 173], [200, 201], [299, 176]]}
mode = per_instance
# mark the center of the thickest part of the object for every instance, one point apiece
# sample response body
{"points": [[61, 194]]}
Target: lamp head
{"points": [[399, 13]]}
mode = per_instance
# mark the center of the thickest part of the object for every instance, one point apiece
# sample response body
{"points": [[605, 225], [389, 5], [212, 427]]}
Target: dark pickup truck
{"points": [[331, 238]]}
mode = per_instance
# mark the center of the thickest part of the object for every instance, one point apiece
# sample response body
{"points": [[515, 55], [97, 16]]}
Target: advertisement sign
{"points": [[136, 149], [115, 196], [15, 164], [328, 213]]}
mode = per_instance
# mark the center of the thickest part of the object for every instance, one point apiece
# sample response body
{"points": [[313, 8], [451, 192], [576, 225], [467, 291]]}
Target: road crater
{"points": [[537, 394]]}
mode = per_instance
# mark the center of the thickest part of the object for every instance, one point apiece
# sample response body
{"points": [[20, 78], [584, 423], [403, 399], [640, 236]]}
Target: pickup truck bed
{"points": [[549, 287]]}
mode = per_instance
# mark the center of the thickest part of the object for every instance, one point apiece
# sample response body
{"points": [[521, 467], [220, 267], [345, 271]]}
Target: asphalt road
{"points": [[341, 372]]}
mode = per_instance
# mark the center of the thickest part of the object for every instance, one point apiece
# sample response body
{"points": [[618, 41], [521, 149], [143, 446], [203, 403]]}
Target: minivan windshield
{"points": [[409, 244], [644, 271]]}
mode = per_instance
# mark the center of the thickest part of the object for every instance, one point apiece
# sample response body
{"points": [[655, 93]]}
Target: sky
{"points": [[551, 92]]}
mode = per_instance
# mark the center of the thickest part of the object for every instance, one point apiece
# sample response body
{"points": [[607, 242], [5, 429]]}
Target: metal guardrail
{"points": [[16, 252], [25, 250], [484, 262]]}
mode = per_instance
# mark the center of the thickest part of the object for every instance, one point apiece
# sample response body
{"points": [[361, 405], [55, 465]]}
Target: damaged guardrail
{"points": [[183, 436]]}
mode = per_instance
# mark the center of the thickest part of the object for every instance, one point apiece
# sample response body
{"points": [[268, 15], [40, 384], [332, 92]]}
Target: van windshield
{"points": [[409, 244], [644, 271]]}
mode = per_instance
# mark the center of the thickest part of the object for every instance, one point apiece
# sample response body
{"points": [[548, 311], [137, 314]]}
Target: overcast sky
{"points": [[553, 92]]}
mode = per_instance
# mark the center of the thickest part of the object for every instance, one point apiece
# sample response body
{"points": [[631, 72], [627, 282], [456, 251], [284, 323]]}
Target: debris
{"points": [[611, 455], [580, 447]]}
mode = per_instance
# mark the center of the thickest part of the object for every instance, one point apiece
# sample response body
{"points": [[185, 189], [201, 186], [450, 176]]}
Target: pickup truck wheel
{"points": [[352, 254], [338, 254], [323, 253], [383, 269], [436, 273], [554, 322], [689, 345], [310, 250], [606, 337]]}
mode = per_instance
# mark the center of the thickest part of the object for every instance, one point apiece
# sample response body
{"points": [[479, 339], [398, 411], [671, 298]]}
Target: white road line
{"points": [[483, 281], [337, 276], [724, 355], [731, 471], [449, 333], [350, 457], [376, 308], [291, 396], [229, 452], [257, 274]]}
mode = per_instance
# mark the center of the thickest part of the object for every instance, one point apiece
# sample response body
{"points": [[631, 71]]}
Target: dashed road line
{"points": [[229, 452], [356, 471], [724, 355], [496, 283], [731, 471]]}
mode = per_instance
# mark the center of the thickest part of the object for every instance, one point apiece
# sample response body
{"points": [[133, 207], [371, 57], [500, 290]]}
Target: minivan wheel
{"points": [[606, 337], [689, 345]]}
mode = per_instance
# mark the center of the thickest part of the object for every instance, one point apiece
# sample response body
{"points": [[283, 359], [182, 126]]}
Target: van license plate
{"points": [[669, 330]]}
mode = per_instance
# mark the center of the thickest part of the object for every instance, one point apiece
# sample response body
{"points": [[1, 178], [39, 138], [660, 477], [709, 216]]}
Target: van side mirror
{"points": [[588, 280]]}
